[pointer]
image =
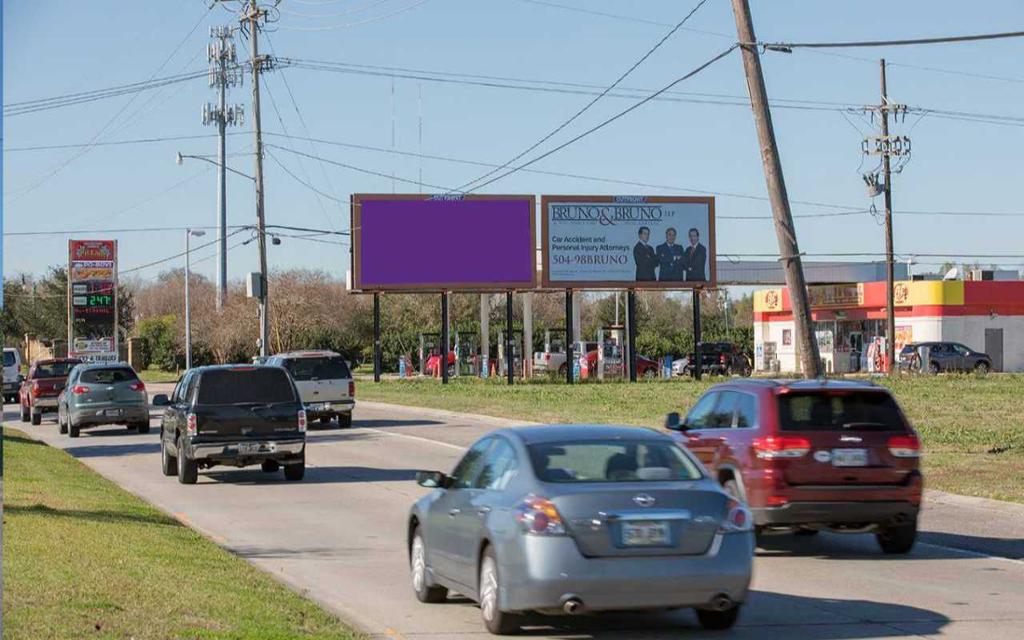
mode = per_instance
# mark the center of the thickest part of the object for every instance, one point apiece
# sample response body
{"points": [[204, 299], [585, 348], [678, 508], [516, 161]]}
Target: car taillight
{"points": [[191, 424], [721, 358], [302, 421], [79, 389], [137, 386], [547, 357], [35, 388], [905, 446], [771, 447], [737, 518], [351, 388], [538, 516]]}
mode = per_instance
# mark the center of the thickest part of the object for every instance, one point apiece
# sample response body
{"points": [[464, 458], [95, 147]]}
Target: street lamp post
{"points": [[188, 313]]}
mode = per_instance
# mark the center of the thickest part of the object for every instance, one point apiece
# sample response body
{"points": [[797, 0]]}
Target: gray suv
{"points": [[936, 357], [100, 394]]}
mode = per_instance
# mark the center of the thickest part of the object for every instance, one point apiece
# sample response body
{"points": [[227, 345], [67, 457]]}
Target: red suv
{"points": [[811, 455]]}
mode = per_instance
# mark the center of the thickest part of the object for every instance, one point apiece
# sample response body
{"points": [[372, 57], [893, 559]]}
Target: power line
{"points": [[360, 169], [358, 22], [782, 46], [595, 100], [177, 255], [337, 14], [610, 120]]}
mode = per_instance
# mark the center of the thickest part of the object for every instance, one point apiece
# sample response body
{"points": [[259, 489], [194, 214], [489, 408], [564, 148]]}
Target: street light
{"points": [[188, 314]]}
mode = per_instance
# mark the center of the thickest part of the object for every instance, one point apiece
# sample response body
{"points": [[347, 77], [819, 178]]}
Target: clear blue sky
{"points": [[53, 47]]}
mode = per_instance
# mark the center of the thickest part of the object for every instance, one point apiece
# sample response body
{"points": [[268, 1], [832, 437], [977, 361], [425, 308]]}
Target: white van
{"points": [[324, 381], [12, 374]]}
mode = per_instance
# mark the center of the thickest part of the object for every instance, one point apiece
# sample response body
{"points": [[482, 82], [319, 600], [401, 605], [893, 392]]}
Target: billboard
{"points": [[628, 242], [92, 300], [440, 243]]}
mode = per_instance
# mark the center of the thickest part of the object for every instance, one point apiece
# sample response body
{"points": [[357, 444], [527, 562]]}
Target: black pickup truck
{"points": [[235, 415]]}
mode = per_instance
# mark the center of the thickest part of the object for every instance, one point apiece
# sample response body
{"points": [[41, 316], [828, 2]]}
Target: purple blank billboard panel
{"points": [[477, 242]]}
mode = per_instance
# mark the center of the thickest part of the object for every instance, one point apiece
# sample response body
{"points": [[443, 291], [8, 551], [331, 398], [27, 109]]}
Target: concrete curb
{"points": [[1004, 508]]}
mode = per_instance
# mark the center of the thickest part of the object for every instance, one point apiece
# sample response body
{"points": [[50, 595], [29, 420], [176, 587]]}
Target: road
{"points": [[338, 537]]}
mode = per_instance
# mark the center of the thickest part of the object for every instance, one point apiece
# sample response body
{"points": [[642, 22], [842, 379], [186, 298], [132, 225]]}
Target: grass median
{"points": [[972, 427], [84, 558]]}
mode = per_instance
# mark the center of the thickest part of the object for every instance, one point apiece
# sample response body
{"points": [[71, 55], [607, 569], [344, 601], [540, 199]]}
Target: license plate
{"points": [[645, 534], [112, 412], [850, 457], [249, 448], [318, 406]]}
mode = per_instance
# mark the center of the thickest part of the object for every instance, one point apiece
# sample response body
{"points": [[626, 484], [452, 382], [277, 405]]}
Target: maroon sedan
{"points": [[45, 381]]}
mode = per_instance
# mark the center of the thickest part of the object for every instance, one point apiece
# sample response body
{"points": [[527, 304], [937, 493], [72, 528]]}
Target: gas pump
{"points": [[467, 353], [611, 361], [517, 353], [430, 344]]}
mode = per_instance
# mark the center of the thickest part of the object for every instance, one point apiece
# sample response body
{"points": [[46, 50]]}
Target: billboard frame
{"points": [[614, 285], [477, 287]]}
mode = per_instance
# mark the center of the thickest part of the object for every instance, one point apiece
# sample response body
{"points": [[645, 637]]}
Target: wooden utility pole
{"points": [[890, 309], [789, 251]]}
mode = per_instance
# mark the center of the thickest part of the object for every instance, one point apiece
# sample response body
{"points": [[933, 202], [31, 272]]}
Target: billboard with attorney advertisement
{"points": [[443, 243], [628, 242], [92, 300]]}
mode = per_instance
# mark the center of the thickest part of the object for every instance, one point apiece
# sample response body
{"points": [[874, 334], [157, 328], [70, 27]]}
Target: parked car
{"points": [[550, 361], [570, 519], [811, 455], [39, 392], [12, 374], [324, 382], [719, 358], [645, 367], [944, 356], [102, 394], [237, 415]]}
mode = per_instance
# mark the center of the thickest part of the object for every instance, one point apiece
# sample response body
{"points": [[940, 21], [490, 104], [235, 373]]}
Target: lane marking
{"points": [[417, 438]]}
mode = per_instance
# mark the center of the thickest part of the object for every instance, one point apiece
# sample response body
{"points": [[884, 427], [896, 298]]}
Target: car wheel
{"points": [[718, 620], [295, 472], [168, 463], [897, 539], [188, 470], [73, 429], [142, 427], [270, 466], [24, 413], [62, 426], [497, 621], [650, 374], [345, 421], [981, 368], [563, 369], [418, 568], [933, 368], [37, 418]]}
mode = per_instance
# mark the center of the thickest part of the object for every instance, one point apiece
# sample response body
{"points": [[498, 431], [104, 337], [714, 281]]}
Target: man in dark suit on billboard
{"points": [[696, 258], [643, 256], [671, 258]]}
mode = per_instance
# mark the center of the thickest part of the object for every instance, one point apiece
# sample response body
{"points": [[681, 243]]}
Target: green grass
{"points": [[972, 427], [84, 558], [154, 375]]}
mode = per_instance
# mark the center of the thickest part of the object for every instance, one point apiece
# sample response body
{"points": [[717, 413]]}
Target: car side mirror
{"points": [[431, 479], [673, 422], [161, 400]]}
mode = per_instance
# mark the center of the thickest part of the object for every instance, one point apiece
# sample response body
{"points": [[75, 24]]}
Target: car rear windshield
{"points": [[112, 375], [324, 368], [9, 360], [54, 369], [862, 410], [245, 385], [611, 461]]}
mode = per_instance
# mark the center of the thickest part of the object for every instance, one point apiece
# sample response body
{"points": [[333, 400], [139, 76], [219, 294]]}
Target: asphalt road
{"points": [[338, 537]]}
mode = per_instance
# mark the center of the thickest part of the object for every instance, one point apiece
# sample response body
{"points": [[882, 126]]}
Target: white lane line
{"points": [[418, 438], [968, 552]]}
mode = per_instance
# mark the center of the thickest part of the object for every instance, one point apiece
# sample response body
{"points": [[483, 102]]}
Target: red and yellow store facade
{"points": [[850, 322]]}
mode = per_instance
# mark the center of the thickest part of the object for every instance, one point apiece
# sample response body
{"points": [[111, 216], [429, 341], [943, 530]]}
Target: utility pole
{"points": [[224, 72], [789, 250], [252, 17], [887, 146]]}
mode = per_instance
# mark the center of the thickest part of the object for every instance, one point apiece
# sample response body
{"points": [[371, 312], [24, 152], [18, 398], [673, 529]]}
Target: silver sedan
{"points": [[570, 519]]}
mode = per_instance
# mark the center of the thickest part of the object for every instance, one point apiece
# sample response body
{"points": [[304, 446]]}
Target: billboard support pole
{"points": [[631, 331], [376, 337], [570, 350], [442, 360], [698, 356], [510, 361]]}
